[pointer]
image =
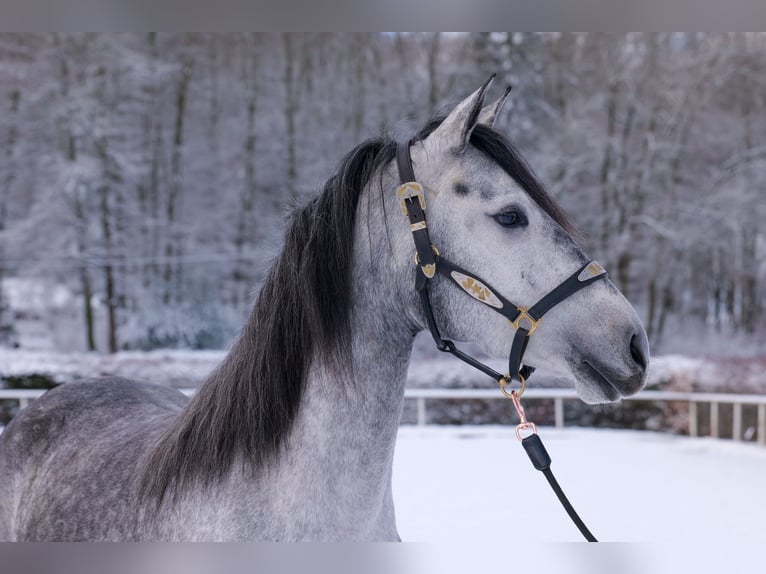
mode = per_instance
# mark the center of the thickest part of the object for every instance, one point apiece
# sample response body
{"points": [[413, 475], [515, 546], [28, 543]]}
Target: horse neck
{"points": [[342, 444]]}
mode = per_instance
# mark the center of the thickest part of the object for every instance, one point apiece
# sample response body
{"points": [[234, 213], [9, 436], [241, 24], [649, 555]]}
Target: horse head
{"points": [[488, 213]]}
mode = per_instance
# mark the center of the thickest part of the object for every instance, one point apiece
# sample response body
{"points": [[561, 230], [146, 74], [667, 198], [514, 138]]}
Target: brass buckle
{"points": [[524, 314], [408, 190]]}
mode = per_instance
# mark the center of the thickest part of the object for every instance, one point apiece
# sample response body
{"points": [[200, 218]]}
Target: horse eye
{"points": [[510, 218]]}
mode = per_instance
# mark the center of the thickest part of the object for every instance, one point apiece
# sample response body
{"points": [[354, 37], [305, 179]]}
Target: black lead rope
{"points": [[541, 460], [524, 319]]}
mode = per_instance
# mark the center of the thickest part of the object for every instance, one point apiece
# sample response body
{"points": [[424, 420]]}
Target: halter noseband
{"points": [[428, 260]]}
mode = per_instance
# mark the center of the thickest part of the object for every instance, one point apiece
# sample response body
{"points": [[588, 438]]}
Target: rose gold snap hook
{"points": [[518, 407], [523, 427], [524, 424]]}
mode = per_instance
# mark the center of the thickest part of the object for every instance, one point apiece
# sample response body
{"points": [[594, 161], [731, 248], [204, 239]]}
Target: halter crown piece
{"points": [[429, 262]]}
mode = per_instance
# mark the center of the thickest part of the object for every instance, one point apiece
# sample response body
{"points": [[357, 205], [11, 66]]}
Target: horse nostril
{"points": [[637, 352]]}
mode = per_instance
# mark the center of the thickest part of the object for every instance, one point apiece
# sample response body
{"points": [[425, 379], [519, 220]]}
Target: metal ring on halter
{"points": [[506, 380], [524, 315]]}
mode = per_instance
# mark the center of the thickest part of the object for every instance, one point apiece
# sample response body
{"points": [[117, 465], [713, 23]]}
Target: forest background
{"points": [[145, 178]]}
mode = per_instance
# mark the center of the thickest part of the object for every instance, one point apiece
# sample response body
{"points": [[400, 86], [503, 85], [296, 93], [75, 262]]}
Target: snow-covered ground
{"points": [[476, 484], [471, 493]]}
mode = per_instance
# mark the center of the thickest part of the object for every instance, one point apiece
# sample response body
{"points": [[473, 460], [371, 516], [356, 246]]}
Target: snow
{"points": [[469, 485], [473, 484], [176, 368], [470, 492], [34, 296]]}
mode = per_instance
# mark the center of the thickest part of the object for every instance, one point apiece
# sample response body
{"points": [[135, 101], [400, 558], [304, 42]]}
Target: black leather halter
{"points": [[429, 262]]}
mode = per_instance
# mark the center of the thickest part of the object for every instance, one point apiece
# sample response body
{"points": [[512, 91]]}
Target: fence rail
{"points": [[558, 396]]}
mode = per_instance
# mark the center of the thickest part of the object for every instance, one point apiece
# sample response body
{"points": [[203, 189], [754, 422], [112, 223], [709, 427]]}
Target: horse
{"points": [[291, 438]]}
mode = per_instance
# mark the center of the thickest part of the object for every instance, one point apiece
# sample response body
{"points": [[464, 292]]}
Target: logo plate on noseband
{"points": [[477, 289]]}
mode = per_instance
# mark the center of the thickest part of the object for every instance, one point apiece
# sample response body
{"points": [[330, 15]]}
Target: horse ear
{"points": [[489, 113], [457, 127]]}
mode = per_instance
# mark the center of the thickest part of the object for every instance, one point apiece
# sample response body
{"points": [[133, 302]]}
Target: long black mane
{"points": [[248, 405]]}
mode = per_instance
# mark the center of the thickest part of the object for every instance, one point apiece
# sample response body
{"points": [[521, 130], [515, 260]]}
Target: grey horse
{"points": [[292, 437]]}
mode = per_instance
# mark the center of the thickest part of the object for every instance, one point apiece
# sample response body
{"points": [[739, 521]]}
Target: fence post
{"points": [[558, 412], [736, 423], [714, 419], [23, 402], [421, 411], [762, 424], [693, 419]]}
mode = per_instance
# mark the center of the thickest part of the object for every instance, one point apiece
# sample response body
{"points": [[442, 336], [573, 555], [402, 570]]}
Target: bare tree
{"points": [[245, 217], [166, 149], [8, 152], [291, 110], [434, 45], [172, 246]]}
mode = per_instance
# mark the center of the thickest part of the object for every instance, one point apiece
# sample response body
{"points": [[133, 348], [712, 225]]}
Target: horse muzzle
{"points": [[623, 375]]}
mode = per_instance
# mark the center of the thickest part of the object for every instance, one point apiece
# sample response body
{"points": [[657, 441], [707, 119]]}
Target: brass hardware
{"points": [[594, 269], [410, 189], [506, 380], [418, 226], [524, 314], [429, 270]]}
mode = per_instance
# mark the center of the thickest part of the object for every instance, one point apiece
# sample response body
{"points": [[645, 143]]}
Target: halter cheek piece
{"points": [[429, 262]]}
